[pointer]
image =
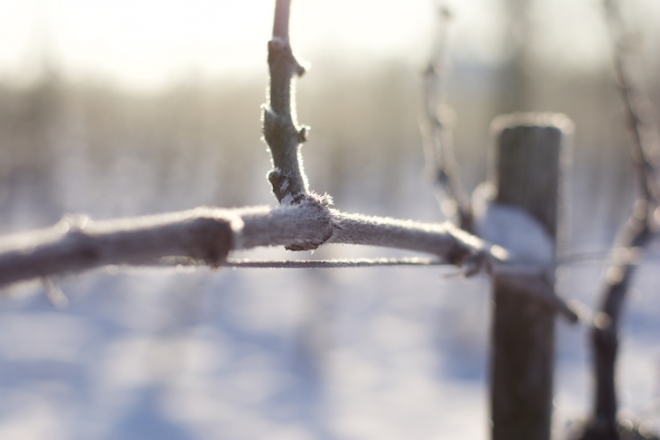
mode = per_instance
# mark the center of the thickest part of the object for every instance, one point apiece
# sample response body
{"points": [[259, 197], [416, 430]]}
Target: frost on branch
{"points": [[281, 131], [202, 234], [207, 235]]}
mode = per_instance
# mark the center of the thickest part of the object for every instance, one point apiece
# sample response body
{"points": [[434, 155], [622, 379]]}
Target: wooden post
{"points": [[527, 175]]}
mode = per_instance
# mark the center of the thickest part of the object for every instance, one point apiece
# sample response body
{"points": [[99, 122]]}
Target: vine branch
{"points": [[436, 130], [643, 133], [632, 238], [281, 131], [208, 235]]}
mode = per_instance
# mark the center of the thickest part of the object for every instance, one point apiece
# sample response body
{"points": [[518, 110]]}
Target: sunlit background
{"points": [[149, 44], [119, 108]]}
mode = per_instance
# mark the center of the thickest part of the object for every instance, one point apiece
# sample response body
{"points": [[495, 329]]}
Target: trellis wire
{"points": [[566, 260]]}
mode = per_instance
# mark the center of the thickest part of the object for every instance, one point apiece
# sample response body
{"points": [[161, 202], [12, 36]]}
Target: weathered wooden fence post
{"points": [[527, 175]]}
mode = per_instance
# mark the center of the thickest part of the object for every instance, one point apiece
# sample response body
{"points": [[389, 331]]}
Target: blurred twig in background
{"points": [[436, 130], [632, 239]]}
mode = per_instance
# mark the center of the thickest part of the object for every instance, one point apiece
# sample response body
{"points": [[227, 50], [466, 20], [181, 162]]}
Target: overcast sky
{"points": [[148, 43]]}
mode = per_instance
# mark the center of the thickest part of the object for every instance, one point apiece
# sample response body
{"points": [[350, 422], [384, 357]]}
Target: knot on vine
{"points": [[472, 254], [317, 208], [284, 188], [279, 51], [302, 134], [218, 239]]}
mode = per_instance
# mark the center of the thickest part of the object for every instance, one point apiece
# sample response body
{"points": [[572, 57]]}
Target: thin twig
{"points": [[538, 287], [634, 235], [281, 131], [436, 131], [643, 132]]}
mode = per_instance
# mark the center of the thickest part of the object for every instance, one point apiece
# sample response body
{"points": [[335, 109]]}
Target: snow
{"points": [[524, 238]]}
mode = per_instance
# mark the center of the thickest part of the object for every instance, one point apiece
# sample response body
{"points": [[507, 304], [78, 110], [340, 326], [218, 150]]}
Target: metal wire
{"points": [[565, 260], [334, 263], [589, 257]]}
